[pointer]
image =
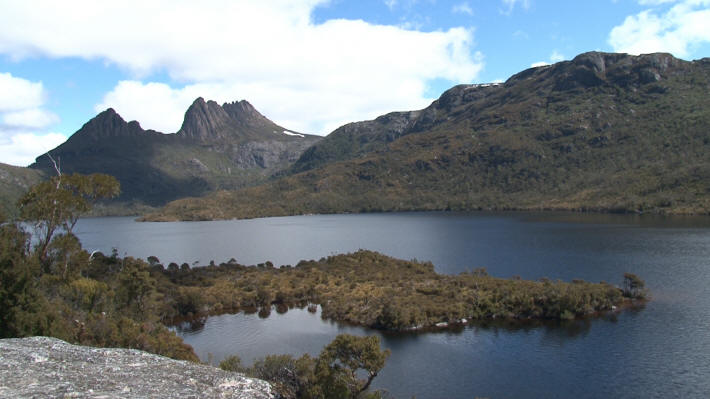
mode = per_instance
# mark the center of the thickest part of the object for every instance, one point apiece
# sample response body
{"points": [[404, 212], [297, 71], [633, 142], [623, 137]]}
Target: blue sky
{"points": [[309, 65]]}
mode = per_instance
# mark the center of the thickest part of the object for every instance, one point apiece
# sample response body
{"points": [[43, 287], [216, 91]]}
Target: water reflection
{"points": [[450, 355], [658, 352], [638, 220]]}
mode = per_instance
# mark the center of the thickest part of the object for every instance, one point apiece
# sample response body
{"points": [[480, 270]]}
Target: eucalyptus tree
{"points": [[56, 204]]}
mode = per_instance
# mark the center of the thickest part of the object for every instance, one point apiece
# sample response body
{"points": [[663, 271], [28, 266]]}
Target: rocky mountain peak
{"points": [[204, 120], [242, 109], [108, 117], [596, 69], [108, 124], [245, 113], [209, 122]]}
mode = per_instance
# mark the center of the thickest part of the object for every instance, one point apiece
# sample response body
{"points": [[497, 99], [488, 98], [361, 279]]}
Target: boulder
{"points": [[42, 367]]}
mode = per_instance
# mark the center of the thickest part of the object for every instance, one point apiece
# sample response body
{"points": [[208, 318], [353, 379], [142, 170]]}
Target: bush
{"points": [[634, 287], [232, 363]]}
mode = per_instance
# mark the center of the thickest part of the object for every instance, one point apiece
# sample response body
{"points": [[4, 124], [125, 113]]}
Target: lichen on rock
{"points": [[42, 367]]}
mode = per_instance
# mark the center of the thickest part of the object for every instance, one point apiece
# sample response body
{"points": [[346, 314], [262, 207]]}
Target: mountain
{"points": [[218, 147], [603, 132], [14, 182], [232, 122]]}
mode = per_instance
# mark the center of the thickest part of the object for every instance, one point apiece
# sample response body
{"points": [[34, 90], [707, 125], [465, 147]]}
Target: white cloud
{"points": [[539, 64], [283, 105], [18, 94], [463, 8], [31, 118], [675, 30], [21, 149], [23, 121], [305, 76], [167, 106]]}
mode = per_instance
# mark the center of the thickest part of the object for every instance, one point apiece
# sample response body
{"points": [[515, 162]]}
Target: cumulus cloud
{"points": [[23, 121], [303, 75], [286, 103], [676, 29], [18, 94], [29, 118], [21, 149]]}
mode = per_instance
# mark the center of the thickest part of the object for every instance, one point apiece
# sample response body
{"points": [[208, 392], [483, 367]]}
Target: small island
{"points": [[51, 286], [374, 290]]}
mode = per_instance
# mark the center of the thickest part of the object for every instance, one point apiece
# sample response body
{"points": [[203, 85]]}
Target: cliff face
{"points": [[41, 367], [248, 138], [230, 123]]}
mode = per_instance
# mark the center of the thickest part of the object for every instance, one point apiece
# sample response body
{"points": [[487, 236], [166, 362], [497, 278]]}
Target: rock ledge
{"points": [[42, 367]]}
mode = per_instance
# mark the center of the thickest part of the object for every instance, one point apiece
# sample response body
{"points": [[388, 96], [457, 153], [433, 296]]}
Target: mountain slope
{"points": [[228, 146], [607, 132], [14, 182]]}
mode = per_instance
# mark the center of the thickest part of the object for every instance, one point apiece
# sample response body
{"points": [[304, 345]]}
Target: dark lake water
{"points": [[660, 351]]}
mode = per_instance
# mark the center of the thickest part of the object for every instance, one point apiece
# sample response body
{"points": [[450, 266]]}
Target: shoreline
{"points": [[161, 218], [412, 296], [510, 323]]}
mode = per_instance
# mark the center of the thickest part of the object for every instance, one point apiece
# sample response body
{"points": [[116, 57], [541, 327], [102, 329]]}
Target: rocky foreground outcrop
{"points": [[41, 367]]}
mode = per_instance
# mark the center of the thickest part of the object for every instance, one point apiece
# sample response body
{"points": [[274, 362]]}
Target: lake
{"points": [[662, 350]]}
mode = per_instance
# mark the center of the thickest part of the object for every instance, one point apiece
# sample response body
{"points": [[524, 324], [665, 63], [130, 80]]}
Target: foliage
{"points": [[291, 377], [20, 300], [333, 374], [374, 290], [59, 290], [338, 365], [634, 286], [55, 288], [58, 202], [232, 363]]}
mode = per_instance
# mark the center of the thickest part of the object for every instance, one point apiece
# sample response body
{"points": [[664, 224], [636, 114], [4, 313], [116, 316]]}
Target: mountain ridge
{"points": [[603, 132], [217, 147], [207, 121], [582, 71]]}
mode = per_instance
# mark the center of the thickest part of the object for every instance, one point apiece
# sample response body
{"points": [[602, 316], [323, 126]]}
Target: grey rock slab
{"points": [[42, 367]]}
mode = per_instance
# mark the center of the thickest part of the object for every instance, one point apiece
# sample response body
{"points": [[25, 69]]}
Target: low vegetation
{"points": [[377, 291], [50, 285], [333, 374]]}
